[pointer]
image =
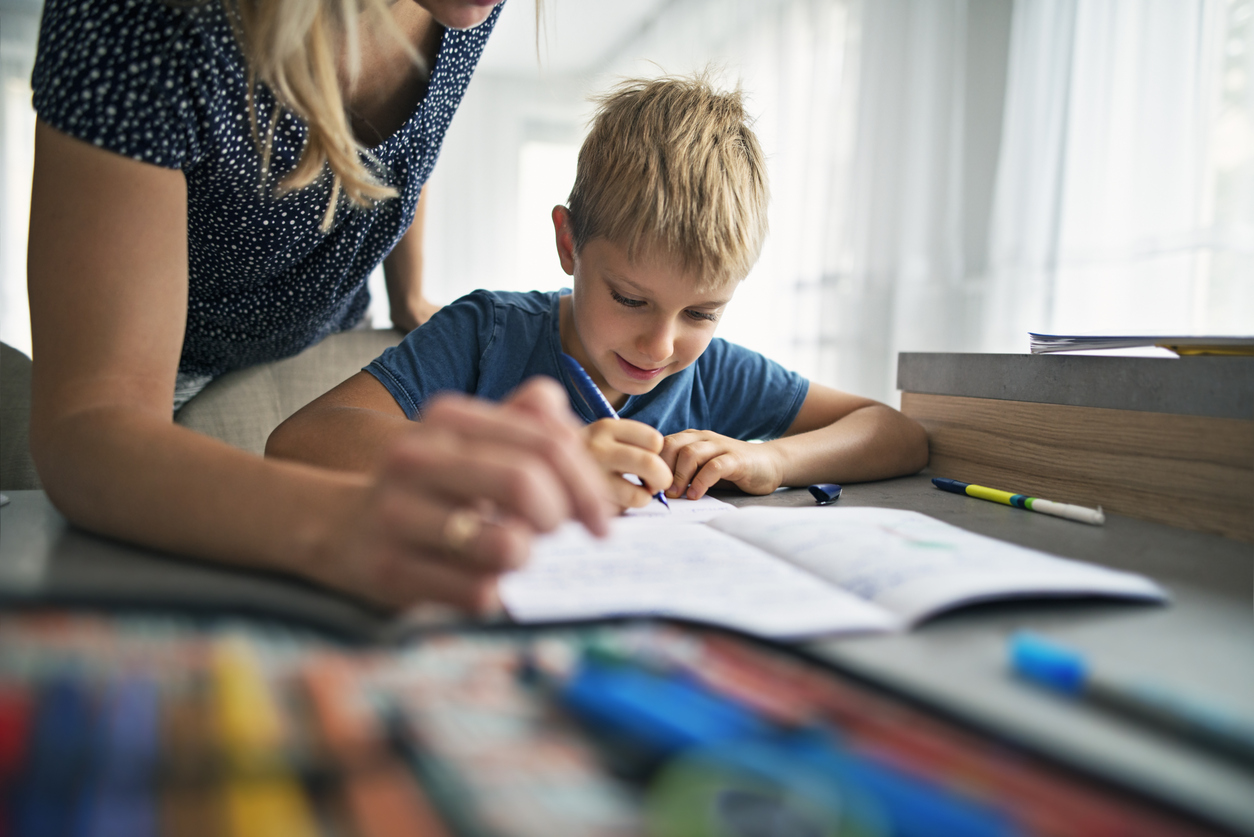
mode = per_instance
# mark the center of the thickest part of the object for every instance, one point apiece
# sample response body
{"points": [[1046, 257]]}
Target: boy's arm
{"points": [[351, 426], [347, 428], [841, 437], [836, 437]]}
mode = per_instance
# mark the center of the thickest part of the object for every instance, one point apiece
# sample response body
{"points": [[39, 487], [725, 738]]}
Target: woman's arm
{"points": [[402, 271], [108, 285]]}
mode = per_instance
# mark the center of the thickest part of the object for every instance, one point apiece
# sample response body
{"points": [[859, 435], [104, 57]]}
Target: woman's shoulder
{"points": [[103, 35], [128, 75]]}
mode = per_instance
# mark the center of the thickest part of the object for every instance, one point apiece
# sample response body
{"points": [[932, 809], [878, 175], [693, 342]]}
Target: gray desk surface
{"points": [[1222, 387], [1202, 643]]}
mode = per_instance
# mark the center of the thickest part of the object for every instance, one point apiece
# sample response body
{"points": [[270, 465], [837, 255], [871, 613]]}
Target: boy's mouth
{"points": [[635, 372]]}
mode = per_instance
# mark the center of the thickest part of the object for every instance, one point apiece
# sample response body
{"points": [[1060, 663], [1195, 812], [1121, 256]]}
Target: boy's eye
{"points": [[706, 316], [622, 300]]}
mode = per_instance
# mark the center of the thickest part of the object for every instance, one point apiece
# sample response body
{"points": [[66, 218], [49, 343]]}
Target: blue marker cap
{"points": [[825, 493], [661, 713], [1048, 663]]}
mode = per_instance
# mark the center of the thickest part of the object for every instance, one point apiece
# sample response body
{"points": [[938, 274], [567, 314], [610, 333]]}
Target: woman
{"points": [[202, 202]]}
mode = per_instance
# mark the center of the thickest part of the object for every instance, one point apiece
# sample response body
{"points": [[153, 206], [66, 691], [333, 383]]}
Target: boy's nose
{"points": [[658, 343]]}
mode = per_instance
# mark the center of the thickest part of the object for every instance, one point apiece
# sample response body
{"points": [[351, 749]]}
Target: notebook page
{"points": [[647, 567], [917, 566], [683, 510]]}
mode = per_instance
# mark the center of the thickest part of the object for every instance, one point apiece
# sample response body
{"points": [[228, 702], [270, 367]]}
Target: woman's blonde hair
{"points": [[300, 50], [672, 166]]}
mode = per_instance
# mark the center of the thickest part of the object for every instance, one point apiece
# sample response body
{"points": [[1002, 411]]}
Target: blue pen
{"points": [[596, 402], [1063, 670]]}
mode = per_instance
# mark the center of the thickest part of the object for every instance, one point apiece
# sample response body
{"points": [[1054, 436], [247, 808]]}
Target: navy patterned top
{"points": [[167, 85]]}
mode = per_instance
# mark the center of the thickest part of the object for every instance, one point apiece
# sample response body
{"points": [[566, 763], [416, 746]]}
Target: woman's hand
{"points": [[457, 500], [409, 315], [402, 273], [701, 458], [623, 446]]}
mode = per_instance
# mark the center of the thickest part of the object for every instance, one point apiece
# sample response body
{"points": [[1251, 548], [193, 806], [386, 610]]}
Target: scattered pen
{"points": [[595, 400], [1063, 670], [1022, 501]]}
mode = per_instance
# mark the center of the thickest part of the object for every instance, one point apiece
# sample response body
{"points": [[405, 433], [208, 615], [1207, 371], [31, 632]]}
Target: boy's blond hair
{"points": [[671, 167]]}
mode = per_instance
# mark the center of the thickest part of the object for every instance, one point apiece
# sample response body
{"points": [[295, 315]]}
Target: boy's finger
{"points": [[649, 468], [709, 475], [676, 442], [638, 434], [627, 495], [688, 461]]}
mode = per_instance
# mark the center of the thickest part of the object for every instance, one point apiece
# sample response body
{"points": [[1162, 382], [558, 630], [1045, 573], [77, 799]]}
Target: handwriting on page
{"points": [[913, 564], [686, 571]]}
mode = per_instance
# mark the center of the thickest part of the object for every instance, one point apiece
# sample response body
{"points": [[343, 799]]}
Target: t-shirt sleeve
{"points": [[120, 74], [746, 395], [441, 355]]}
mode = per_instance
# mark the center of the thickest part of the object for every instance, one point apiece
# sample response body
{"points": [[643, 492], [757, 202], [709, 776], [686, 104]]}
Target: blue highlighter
{"points": [[1065, 671], [596, 402], [825, 493]]}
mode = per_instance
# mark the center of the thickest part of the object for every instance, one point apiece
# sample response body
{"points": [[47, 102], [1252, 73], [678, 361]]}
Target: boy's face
{"points": [[631, 324]]}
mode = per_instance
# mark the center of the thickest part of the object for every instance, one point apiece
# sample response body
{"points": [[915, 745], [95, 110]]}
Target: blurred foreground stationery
{"points": [[151, 727], [795, 572]]}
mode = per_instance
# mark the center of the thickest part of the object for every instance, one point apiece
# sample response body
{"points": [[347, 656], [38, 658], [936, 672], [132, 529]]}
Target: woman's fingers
{"points": [[460, 471], [531, 426], [546, 401], [398, 577], [463, 536], [457, 500]]}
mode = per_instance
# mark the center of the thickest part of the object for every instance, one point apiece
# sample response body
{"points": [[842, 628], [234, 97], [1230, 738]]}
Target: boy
{"points": [[667, 215]]}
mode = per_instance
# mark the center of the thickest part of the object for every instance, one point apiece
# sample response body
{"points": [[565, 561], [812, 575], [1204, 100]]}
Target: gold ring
{"points": [[461, 528]]}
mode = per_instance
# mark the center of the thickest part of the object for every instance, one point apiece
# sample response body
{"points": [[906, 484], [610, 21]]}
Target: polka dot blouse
{"points": [[166, 85]]}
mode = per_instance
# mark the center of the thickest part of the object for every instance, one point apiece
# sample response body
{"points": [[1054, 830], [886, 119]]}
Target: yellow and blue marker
{"points": [[1023, 501]]}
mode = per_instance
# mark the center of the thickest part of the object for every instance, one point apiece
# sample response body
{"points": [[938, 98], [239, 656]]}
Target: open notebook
{"points": [[789, 572]]}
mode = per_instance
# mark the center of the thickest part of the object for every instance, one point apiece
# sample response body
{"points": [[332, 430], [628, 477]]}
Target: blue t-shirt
{"points": [[167, 85], [487, 343]]}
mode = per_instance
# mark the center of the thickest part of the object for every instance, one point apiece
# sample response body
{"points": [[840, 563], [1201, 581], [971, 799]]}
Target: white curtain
{"points": [[946, 175], [1125, 194]]}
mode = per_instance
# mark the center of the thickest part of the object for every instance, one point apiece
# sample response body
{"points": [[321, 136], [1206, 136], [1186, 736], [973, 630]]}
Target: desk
{"points": [[1203, 642]]}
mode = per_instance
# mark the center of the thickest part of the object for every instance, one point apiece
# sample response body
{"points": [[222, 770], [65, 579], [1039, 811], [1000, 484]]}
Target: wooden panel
{"points": [[1190, 471]]}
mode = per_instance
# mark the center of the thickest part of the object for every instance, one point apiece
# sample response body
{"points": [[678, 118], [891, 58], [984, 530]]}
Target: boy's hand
{"points": [[701, 458], [623, 446]]}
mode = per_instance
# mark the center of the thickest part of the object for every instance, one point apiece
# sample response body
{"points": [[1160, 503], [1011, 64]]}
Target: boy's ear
{"points": [[565, 239]]}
